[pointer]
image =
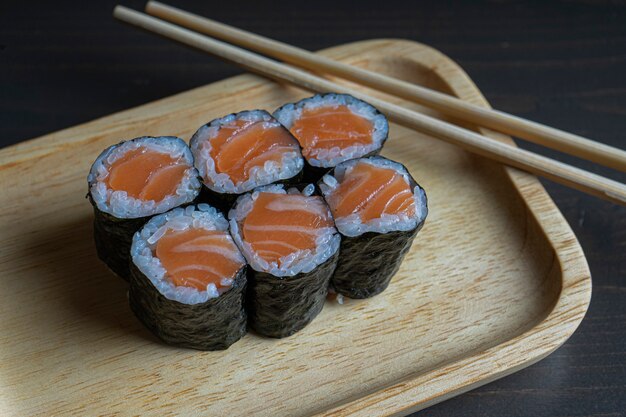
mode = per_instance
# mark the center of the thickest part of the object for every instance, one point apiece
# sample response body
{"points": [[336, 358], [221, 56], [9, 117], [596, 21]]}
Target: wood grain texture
{"points": [[495, 281]]}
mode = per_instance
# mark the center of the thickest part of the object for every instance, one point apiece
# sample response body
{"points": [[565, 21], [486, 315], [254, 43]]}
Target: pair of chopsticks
{"points": [[507, 154]]}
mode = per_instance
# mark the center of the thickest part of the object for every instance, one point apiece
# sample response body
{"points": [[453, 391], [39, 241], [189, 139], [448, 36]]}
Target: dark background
{"points": [[560, 63]]}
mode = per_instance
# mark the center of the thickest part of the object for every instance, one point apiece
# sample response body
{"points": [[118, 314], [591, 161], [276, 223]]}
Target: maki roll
{"points": [[188, 279], [291, 245], [333, 128], [133, 181], [378, 209], [241, 151]]}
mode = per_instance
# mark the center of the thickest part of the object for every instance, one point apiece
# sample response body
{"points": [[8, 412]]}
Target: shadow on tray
{"points": [[65, 262]]}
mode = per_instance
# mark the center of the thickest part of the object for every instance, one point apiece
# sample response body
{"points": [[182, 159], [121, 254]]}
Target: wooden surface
{"points": [[560, 63], [495, 281]]}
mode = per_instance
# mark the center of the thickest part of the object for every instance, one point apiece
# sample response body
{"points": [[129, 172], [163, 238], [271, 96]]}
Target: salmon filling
{"points": [[243, 144], [370, 191], [146, 174], [327, 127], [280, 225], [198, 257]]}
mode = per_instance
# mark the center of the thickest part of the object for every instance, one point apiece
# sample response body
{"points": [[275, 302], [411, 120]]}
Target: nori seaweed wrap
{"points": [[281, 306], [188, 279], [378, 209], [132, 181], [113, 237], [291, 245], [333, 128], [241, 151]]}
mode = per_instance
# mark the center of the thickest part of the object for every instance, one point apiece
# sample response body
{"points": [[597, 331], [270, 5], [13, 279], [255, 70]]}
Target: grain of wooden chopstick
{"points": [[556, 171], [462, 110]]}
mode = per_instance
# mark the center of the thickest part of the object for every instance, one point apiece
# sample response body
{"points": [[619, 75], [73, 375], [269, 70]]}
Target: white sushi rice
{"points": [[326, 158], [119, 203], [290, 164], [352, 225], [144, 245], [302, 261]]}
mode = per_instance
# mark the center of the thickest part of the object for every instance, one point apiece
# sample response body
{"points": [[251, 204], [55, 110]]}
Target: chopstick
{"points": [[451, 106], [556, 171]]}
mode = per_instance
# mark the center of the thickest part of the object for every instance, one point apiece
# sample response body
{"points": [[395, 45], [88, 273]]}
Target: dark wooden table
{"points": [[560, 63]]}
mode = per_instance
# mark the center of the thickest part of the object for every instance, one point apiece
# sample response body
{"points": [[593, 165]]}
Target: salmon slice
{"points": [[146, 174], [326, 127], [198, 257], [243, 144], [371, 191], [281, 224]]}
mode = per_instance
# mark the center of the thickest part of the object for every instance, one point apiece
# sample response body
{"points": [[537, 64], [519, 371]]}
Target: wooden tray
{"points": [[495, 281]]}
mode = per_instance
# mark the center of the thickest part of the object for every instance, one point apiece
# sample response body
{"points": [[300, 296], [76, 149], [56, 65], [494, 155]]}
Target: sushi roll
{"points": [[242, 151], [188, 279], [333, 128], [132, 181], [291, 245], [378, 209]]}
